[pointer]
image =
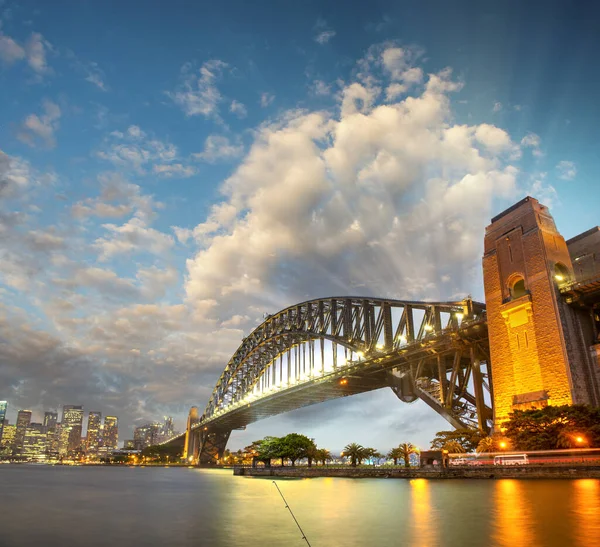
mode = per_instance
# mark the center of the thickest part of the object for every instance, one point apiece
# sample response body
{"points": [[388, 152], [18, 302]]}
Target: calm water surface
{"points": [[97, 506]]}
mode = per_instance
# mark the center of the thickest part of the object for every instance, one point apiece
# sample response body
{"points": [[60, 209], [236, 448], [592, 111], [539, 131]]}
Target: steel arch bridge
{"points": [[335, 347]]}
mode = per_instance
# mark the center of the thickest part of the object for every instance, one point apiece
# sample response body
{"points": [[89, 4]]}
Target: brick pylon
{"points": [[537, 355]]}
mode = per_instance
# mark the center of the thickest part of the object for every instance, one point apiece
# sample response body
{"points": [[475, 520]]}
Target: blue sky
{"points": [[172, 171]]}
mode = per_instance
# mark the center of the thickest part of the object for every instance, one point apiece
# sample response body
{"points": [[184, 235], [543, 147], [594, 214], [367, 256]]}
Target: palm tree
{"points": [[486, 444], [406, 449], [312, 453], [355, 452], [395, 454], [323, 455], [454, 447]]}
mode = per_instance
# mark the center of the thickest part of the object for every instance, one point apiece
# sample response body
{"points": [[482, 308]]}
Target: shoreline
{"points": [[525, 472]]}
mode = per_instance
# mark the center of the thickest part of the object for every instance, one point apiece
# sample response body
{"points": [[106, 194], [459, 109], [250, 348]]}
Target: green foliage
{"points": [[467, 438], [406, 449], [454, 447], [554, 427], [487, 444], [293, 447], [395, 454], [355, 452]]}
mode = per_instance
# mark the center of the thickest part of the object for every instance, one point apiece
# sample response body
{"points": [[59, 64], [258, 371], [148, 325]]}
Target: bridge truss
{"points": [[335, 347]]}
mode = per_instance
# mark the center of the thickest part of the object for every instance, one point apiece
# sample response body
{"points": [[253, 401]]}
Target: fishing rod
{"points": [[291, 513]]}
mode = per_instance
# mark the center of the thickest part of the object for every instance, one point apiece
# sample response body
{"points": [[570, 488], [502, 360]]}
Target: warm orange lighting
{"points": [[502, 444], [579, 439], [343, 381]]}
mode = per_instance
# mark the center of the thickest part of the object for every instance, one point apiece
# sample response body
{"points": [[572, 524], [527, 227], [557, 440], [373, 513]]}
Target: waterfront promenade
{"points": [[467, 472]]}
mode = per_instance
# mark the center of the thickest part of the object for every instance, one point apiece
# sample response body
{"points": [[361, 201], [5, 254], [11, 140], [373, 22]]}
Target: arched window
{"points": [[561, 274], [517, 287]]}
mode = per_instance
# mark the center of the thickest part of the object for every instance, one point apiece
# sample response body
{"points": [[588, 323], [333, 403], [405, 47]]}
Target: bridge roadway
{"points": [[436, 352]]}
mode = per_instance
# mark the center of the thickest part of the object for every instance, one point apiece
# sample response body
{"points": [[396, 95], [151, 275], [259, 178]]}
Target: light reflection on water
{"points": [[189, 507]]}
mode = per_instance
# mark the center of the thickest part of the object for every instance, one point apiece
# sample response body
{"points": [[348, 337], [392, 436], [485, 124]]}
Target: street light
{"points": [[502, 445]]}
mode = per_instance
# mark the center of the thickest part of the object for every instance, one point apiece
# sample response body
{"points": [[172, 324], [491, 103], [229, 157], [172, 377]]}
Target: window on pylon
{"points": [[517, 288]]}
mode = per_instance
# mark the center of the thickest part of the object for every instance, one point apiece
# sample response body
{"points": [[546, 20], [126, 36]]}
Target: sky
{"points": [[170, 172]]}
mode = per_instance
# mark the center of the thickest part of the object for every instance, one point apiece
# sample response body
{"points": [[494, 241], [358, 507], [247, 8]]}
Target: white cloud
{"points": [[238, 109], [319, 87], [218, 148], [174, 170], [135, 150], [197, 93], [395, 90], [10, 51], [132, 237], [533, 141], [15, 175], [398, 63], [33, 52], [42, 127], [566, 170], [334, 199], [324, 36], [497, 107], [266, 99]]}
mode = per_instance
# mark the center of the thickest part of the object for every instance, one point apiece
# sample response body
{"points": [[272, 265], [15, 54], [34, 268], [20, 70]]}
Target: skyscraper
{"points": [[50, 419], [3, 405], [23, 421], [93, 432], [73, 418], [52, 433], [8, 439], [110, 436], [34, 443]]}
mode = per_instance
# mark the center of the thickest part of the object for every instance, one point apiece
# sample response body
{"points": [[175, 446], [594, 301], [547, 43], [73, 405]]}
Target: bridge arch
{"points": [[333, 347]]}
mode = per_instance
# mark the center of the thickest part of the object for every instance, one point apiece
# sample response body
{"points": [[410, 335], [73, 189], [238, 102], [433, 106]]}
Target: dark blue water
{"points": [[103, 506]]}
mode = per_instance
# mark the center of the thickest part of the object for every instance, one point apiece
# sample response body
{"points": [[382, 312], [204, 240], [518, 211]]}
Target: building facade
{"points": [[23, 421], [110, 434], [94, 432], [3, 407], [7, 444], [539, 350], [72, 421], [35, 443]]}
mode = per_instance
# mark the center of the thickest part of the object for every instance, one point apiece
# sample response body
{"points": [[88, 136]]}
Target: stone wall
{"points": [[524, 472]]}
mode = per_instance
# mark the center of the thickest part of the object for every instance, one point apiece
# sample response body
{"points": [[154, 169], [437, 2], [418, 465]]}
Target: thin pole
{"points": [[291, 513]]}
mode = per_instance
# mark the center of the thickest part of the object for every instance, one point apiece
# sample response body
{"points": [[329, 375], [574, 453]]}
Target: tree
{"points": [[323, 455], [467, 438], [312, 454], [406, 449], [487, 444], [296, 447], [355, 452], [395, 454], [370, 453], [269, 448], [454, 447], [554, 427]]}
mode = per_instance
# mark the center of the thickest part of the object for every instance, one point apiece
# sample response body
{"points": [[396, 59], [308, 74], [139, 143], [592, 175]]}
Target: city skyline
{"points": [[155, 205]]}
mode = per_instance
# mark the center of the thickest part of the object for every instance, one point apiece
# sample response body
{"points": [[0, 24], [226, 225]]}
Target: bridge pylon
{"points": [[539, 352]]}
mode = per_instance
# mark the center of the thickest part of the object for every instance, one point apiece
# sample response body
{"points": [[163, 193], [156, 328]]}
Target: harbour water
{"points": [[181, 507]]}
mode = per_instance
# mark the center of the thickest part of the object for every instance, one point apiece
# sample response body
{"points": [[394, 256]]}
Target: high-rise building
{"points": [[110, 434], [63, 432], [93, 432], [3, 405], [73, 418], [50, 420], [23, 421], [8, 439], [146, 435], [129, 444], [34, 443]]}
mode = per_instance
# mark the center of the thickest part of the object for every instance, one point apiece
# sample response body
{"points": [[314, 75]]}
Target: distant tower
{"points": [[110, 434], [72, 421], [93, 432], [3, 405], [536, 356], [23, 421], [190, 447]]}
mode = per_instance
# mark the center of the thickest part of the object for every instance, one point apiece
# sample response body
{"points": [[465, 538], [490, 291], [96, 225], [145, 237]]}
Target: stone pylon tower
{"points": [[190, 448], [537, 356]]}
